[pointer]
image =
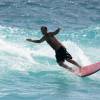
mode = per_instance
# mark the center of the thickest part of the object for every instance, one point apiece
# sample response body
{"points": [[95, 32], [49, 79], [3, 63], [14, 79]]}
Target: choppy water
{"points": [[29, 71]]}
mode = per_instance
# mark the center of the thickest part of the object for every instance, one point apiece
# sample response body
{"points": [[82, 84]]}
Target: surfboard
{"points": [[87, 70]]}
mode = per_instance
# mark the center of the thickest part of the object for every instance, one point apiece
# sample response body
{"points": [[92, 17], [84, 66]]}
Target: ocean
{"points": [[28, 70]]}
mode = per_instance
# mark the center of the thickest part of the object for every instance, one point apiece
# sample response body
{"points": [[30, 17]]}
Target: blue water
{"points": [[29, 71]]}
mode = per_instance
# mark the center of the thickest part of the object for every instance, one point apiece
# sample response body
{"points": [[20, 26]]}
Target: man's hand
{"points": [[56, 31], [37, 41], [59, 28], [30, 40]]}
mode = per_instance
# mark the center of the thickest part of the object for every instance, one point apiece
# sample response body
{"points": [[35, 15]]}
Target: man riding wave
{"points": [[58, 47]]}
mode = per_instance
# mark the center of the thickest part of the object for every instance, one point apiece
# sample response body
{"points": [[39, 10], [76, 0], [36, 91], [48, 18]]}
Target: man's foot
{"points": [[71, 69], [77, 71]]}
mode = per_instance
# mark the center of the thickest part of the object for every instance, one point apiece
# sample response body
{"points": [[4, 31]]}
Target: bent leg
{"points": [[61, 63], [73, 62]]}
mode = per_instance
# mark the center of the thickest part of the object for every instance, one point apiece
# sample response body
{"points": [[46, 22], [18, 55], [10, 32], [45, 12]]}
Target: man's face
{"points": [[44, 30]]}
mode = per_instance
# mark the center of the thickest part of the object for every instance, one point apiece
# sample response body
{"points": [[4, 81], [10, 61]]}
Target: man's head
{"points": [[44, 29]]}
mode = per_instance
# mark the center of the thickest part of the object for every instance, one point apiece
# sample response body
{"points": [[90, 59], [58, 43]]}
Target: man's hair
{"points": [[43, 27]]}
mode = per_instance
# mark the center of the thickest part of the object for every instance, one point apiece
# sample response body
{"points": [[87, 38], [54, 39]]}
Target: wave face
{"points": [[29, 71]]}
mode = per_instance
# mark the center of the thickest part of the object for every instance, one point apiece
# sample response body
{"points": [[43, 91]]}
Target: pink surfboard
{"points": [[88, 70]]}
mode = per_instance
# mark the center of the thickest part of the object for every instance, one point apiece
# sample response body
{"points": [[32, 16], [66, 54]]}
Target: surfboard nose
{"points": [[88, 70]]}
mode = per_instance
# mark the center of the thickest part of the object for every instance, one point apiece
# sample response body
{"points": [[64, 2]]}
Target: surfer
{"points": [[60, 50]]}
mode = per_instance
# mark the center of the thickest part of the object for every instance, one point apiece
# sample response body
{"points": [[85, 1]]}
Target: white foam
{"points": [[15, 49], [44, 50], [16, 56], [77, 53], [23, 57]]}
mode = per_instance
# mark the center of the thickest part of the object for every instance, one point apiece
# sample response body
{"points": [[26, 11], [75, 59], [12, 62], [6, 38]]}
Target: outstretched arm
{"points": [[36, 41], [56, 31]]}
